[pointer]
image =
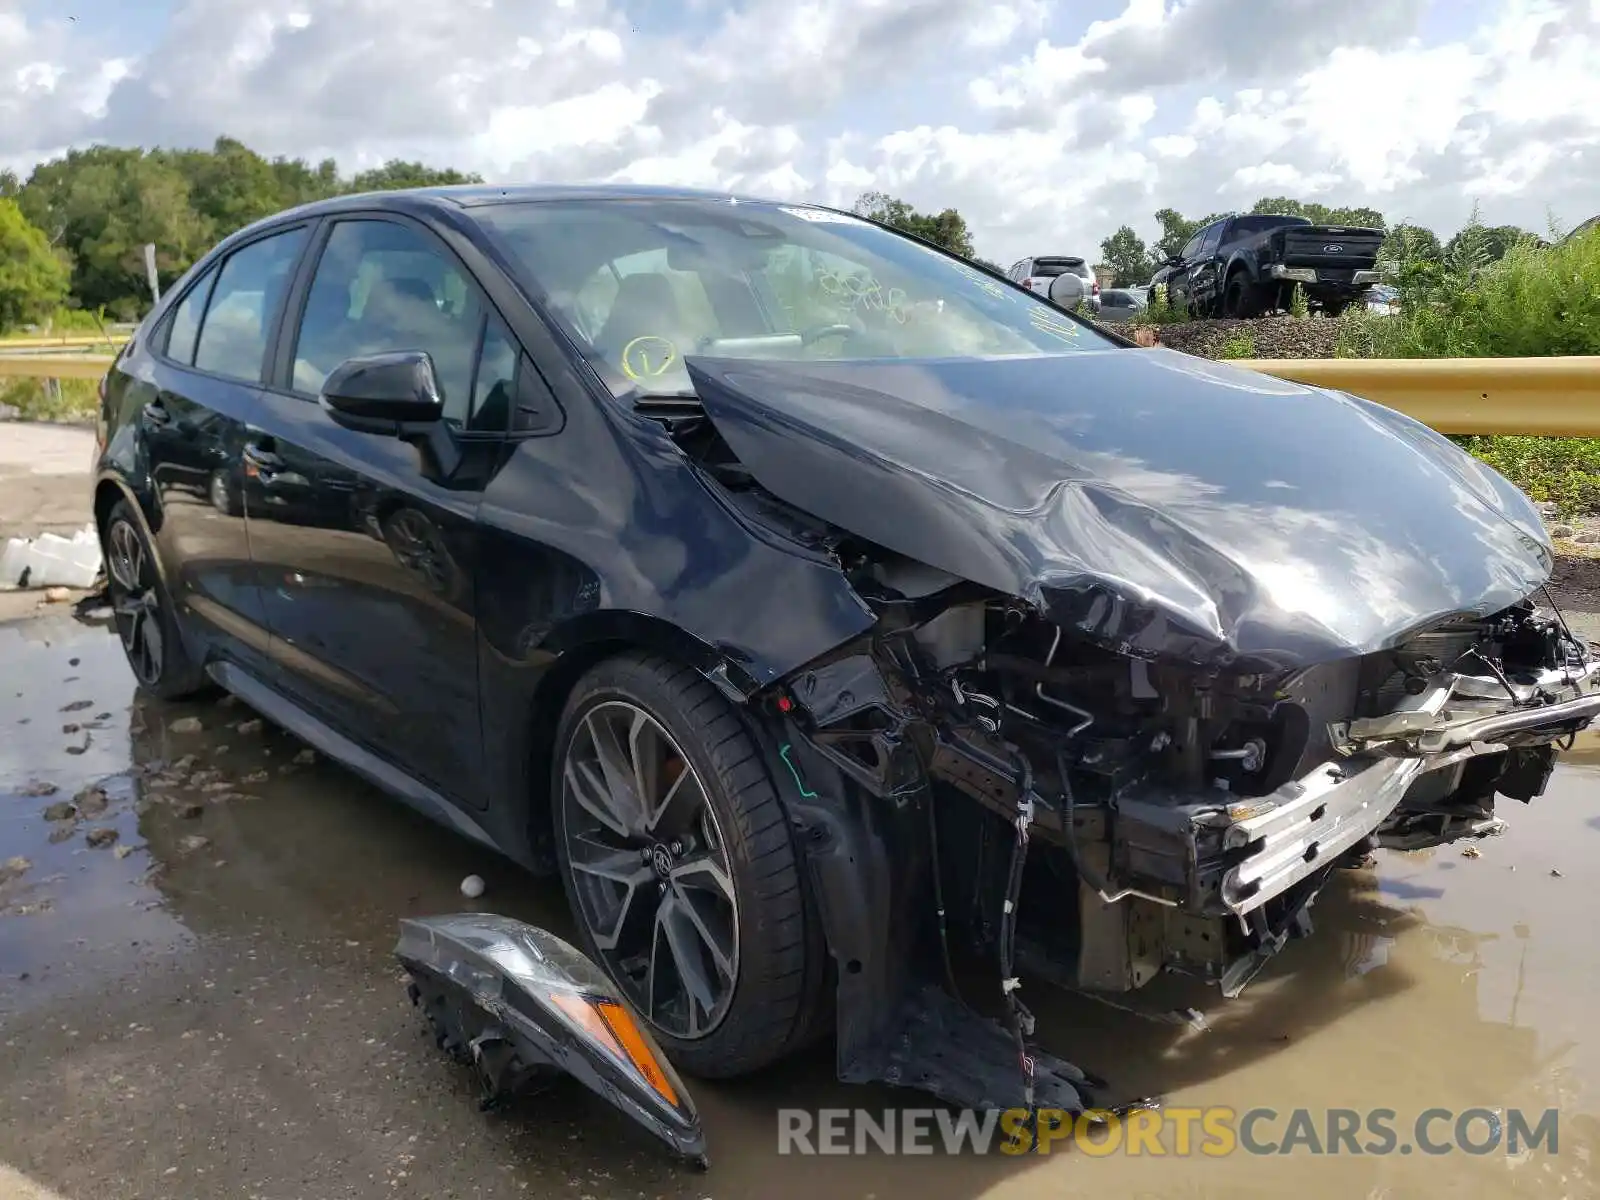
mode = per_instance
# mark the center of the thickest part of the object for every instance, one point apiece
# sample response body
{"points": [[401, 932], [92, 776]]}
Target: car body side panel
{"points": [[172, 430], [367, 580], [606, 535]]}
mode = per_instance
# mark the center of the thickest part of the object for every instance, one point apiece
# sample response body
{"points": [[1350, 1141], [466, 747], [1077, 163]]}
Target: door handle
{"points": [[260, 457]]}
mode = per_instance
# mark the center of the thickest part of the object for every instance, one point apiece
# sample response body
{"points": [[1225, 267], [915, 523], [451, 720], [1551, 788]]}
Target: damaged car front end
{"points": [[1149, 675], [1060, 658]]}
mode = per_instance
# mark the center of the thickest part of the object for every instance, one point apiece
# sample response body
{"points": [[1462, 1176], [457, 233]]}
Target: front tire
{"points": [[145, 618], [677, 860], [220, 492]]}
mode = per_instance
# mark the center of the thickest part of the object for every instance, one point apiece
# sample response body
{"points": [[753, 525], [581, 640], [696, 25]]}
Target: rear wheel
{"points": [[144, 615], [1240, 298], [678, 863]]}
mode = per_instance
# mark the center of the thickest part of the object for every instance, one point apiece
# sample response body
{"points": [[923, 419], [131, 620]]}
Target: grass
{"points": [[1562, 471], [37, 400]]}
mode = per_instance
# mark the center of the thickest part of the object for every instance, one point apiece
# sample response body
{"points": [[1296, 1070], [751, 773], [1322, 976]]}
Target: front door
{"points": [[202, 388], [368, 547]]}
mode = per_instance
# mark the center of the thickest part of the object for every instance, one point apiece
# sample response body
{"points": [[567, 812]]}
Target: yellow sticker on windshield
{"points": [[648, 357]]}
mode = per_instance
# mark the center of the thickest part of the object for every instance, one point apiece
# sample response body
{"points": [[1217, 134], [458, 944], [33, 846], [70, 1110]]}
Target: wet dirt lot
{"points": [[204, 1002]]}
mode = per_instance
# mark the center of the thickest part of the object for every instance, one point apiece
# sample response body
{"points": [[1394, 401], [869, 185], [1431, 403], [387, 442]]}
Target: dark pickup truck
{"points": [[1246, 266]]}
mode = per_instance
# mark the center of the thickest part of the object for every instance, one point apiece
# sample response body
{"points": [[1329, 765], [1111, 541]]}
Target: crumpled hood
{"points": [[1158, 503]]}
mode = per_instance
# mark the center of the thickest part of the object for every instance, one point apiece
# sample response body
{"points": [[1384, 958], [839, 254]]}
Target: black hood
{"points": [[1160, 504]]}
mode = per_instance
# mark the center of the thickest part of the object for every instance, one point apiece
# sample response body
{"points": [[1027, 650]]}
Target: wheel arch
{"points": [[576, 647], [110, 488]]}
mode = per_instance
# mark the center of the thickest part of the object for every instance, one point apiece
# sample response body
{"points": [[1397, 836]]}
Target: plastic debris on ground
{"points": [[51, 560]]}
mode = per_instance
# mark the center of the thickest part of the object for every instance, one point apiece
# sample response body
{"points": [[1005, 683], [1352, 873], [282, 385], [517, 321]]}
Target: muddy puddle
{"points": [[204, 1004]]}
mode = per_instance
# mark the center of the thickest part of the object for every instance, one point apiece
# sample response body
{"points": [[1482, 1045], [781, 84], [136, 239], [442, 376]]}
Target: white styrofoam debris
{"points": [[51, 560]]}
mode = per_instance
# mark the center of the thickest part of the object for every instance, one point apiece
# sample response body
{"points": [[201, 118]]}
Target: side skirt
{"points": [[378, 771]]}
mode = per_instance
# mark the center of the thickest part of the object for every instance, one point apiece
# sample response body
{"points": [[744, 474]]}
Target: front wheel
{"points": [[677, 860]]}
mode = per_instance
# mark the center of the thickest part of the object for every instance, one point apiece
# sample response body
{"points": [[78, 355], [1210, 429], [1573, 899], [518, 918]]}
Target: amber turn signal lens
{"points": [[609, 1023]]}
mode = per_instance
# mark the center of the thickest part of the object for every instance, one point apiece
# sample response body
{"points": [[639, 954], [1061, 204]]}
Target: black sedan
{"points": [[813, 602]]}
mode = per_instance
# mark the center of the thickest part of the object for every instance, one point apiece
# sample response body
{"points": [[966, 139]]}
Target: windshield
{"points": [[640, 284]]}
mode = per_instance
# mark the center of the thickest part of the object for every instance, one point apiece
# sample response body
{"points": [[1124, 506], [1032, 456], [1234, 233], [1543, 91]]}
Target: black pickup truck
{"points": [[1246, 266]]}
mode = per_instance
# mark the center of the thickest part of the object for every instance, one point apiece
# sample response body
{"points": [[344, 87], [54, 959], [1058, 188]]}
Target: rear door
{"points": [[203, 387], [368, 574]]}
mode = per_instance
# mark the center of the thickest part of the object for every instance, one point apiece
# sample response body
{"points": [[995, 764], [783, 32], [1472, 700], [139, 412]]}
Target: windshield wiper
{"points": [[680, 401]]}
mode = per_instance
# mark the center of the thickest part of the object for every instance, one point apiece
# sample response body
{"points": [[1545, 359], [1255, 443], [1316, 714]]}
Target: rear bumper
{"points": [[1356, 280]]}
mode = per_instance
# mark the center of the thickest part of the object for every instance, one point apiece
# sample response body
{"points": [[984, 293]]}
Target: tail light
{"points": [[1095, 291]]}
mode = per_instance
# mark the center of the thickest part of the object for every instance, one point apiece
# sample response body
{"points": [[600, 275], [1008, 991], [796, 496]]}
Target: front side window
{"points": [[640, 285], [379, 287], [238, 320]]}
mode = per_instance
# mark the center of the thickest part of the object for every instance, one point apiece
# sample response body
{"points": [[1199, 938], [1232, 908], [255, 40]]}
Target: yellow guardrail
{"points": [[53, 366], [62, 342], [1551, 397]]}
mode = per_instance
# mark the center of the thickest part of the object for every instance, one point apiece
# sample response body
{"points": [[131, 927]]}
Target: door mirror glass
{"points": [[398, 386]]}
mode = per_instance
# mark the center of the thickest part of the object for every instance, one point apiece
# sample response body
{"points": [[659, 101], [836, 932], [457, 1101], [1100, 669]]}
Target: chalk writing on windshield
{"points": [[648, 357], [984, 284], [859, 292]]}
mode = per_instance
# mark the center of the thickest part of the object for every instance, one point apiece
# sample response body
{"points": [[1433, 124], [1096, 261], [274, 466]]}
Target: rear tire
{"points": [[770, 1005], [1240, 299], [145, 618]]}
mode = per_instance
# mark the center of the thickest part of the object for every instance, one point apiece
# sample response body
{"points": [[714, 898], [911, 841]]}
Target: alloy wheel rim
{"points": [[219, 493], [135, 602], [650, 870]]}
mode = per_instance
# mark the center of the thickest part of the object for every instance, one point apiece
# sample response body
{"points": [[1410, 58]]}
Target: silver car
{"points": [[1042, 273]]}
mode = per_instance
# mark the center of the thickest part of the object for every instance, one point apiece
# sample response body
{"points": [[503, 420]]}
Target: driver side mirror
{"points": [[371, 392]]}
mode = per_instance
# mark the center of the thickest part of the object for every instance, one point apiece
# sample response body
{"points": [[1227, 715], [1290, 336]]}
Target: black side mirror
{"points": [[379, 390]]}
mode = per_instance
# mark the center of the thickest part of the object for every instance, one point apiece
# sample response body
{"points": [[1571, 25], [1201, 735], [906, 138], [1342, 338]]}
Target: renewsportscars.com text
{"points": [[1213, 1132]]}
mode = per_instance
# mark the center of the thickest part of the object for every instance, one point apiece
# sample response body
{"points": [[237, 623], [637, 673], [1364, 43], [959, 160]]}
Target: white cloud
{"points": [[1046, 134]]}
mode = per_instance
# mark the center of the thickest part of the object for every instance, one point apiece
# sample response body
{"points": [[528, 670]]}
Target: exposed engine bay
{"points": [[1183, 819]]}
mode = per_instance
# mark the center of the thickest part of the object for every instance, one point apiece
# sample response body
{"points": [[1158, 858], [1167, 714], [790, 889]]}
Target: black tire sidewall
{"points": [[746, 1037], [180, 676]]}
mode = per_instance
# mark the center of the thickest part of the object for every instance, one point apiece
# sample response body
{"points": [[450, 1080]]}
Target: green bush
{"points": [[1534, 302], [37, 400], [1563, 471]]}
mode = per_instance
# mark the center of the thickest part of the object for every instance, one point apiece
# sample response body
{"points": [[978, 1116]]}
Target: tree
{"points": [[1126, 256], [1176, 229], [395, 174], [1489, 241], [947, 228], [33, 277], [1318, 214], [1410, 243]]}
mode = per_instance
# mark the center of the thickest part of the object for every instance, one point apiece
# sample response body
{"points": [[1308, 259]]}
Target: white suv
{"points": [[1039, 273]]}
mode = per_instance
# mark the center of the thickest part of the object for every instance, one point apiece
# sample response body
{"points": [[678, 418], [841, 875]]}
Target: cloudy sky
{"points": [[1046, 123]]}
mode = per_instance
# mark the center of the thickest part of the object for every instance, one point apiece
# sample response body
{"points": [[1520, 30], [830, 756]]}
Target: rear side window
{"points": [[238, 321], [185, 323]]}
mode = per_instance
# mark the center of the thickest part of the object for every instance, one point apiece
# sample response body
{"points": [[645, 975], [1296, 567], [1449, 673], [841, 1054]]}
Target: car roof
{"points": [[478, 195], [462, 197]]}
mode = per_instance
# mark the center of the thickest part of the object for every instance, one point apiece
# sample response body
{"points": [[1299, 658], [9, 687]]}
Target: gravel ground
{"points": [[1271, 337]]}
